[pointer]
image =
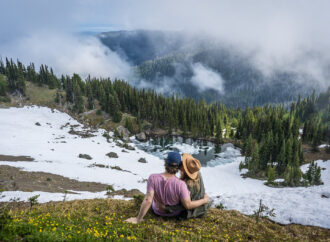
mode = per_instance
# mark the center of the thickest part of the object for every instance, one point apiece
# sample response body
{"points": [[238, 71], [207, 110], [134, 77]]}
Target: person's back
{"points": [[169, 191]]}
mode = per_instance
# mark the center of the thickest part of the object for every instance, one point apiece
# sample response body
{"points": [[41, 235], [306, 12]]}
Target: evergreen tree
{"points": [[78, 101], [248, 149], [218, 137], [271, 174], [253, 165], [3, 86], [116, 114], [129, 125], [293, 173], [281, 159]]}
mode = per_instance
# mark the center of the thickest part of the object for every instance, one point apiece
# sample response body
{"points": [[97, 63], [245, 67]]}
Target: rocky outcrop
{"points": [[124, 133], [141, 137], [142, 160], [85, 156], [112, 155]]}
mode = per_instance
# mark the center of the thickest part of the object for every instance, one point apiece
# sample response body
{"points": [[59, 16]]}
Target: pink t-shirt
{"points": [[168, 192]]}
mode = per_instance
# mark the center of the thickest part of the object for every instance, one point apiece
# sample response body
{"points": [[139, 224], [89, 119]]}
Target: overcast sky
{"points": [[282, 31]]}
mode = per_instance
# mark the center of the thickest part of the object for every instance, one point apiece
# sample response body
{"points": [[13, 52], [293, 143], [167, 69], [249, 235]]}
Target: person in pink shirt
{"points": [[166, 189]]}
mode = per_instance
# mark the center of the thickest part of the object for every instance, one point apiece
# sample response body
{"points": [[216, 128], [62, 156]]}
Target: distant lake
{"points": [[206, 152]]}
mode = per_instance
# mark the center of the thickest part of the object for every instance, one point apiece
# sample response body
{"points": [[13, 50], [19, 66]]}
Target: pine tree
{"points": [[281, 159], [90, 98], [184, 125], [3, 86], [139, 122], [248, 149], [116, 114], [288, 150], [253, 165], [271, 174], [78, 101], [129, 125], [218, 137], [293, 173], [313, 174]]}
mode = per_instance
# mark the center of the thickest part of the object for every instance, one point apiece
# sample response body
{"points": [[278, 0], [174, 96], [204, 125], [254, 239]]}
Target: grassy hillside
{"points": [[103, 219], [40, 95]]}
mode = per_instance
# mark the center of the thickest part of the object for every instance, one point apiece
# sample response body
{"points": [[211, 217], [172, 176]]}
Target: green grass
{"points": [[40, 95], [103, 219]]}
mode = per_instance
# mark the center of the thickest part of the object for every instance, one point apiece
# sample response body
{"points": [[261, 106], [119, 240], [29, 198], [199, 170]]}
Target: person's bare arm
{"points": [[188, 204], [146, 204]]}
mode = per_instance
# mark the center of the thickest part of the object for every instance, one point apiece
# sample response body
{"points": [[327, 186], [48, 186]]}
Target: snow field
{"points": [[20, 136]]}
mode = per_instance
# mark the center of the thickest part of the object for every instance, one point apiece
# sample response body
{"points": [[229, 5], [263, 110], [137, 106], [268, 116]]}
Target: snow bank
{"points": [[56, 151], [48, 196], [292, 205]]}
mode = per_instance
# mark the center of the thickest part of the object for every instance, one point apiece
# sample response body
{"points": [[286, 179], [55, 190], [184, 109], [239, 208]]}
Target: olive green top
{"points": [[195, 194]]}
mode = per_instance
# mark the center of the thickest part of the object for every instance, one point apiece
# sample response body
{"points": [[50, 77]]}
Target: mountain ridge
{"points": [[166, 60]]}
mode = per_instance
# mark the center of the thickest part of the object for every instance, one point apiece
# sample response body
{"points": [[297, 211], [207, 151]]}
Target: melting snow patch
{"points": [[48, 196], [323, 146], [20, 135]]}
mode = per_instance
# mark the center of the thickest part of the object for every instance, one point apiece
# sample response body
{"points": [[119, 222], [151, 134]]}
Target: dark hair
{"points": [[172, 169]]}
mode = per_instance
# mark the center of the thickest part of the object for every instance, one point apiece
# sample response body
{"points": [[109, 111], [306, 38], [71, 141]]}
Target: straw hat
{"points": [[191, 165]]}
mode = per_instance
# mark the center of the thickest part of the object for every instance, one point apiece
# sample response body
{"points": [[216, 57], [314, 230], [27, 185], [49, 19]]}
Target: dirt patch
{"points": [[83, 134], [110, 167], [311, 156], [15, 158], [125, 193], [13, 179]]}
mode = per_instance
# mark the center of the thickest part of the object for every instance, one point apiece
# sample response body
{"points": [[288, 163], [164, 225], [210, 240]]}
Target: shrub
{"points": [[33, 200], [138, 199], [110, 189], [220, 206], [313, 174], [263, 212], [271, 174], [99, 112], [5, 216]]}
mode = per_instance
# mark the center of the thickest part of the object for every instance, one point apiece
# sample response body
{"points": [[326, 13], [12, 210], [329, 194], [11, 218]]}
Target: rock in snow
{"points": [[141, 137], [85, 156], [124, 132], [112, 155], [142, 160]]}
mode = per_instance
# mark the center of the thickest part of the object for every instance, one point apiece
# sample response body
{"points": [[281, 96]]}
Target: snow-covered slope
{"points": [[56, 151]]}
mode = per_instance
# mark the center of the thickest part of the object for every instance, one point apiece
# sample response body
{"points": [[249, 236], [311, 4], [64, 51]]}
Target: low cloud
{"points": [[67, 54], [205, 78], [290, 36]]}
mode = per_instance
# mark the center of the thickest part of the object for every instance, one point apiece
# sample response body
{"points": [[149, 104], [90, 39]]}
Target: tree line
{"points": [[269, 135]]}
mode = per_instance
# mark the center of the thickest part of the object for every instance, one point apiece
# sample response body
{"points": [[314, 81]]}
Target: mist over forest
{"points": [[243, 54]]}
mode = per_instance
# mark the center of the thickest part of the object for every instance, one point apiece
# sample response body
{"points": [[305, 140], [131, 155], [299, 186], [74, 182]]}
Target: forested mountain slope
{"points": [[199, 67]]}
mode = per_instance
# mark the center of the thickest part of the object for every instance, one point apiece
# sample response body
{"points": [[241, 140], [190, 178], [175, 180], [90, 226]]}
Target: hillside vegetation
{"points": [[269, 134], [103, 219]]}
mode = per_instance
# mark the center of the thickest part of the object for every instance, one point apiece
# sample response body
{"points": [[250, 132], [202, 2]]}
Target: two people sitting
{"points": [[170, 196]]}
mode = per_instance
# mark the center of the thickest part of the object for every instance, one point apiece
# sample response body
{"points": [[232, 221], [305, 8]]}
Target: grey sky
{"points": [[281, 31]]}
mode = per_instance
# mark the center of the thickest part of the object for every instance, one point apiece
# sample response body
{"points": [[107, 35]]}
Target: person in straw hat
{"points": [[166, 188], [191, 175]]}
